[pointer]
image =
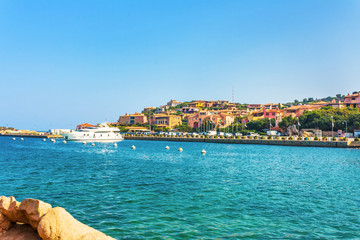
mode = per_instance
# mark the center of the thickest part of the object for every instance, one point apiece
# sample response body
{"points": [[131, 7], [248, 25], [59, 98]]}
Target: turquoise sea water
{"points": [[231, 192]]}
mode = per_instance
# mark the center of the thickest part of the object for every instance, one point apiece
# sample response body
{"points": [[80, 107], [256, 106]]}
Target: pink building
{"points": [[273, 113], [198, 119], [352, 100], [219, 120]]}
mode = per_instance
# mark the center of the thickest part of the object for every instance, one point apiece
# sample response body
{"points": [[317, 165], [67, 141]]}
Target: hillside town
{"points": [[207, 115], [340, 113]]}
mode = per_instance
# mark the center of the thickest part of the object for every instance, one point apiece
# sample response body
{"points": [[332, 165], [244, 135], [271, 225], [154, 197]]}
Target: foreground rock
{"points": [[59, 224], [33, 210], [33, 219], [20, 232], [5, 224], [10, 208]]}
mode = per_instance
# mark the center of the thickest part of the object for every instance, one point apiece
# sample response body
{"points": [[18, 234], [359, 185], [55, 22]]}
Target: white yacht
{"points": [[102, 133]]}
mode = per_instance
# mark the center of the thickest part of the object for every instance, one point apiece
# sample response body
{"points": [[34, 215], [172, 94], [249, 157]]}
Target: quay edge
{"points": [[298, 143]]}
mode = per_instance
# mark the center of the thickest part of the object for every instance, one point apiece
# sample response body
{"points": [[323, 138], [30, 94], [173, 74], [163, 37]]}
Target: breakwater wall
{"points": [[30, 136], [297, 143]]}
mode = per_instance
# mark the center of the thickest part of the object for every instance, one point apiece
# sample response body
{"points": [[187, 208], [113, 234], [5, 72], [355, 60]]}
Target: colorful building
{"points": [[256, 115], [273, 113], [219, 120], [271, 106], [297, 111], [130, 119], [173, 103], [254, 107], [166, 120], [352, 100], [197, 104], [189, 110], [198, 119]]}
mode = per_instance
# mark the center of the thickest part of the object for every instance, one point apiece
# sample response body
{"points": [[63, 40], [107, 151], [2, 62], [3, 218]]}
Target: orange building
{"points": [[166, 120], [130, 119]]}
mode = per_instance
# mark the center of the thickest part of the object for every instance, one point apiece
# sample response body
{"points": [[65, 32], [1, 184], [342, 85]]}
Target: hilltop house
{"points": [[189, 110], [173, 103], [271, 105], [297, 111], [254, 107], [352, 100]]}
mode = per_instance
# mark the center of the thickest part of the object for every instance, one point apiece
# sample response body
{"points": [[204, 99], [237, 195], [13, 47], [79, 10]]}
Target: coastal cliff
{"points": [[33, 219]]}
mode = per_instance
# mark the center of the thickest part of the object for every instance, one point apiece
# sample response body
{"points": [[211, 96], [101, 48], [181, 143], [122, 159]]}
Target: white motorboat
{"points": [[101, 133]]}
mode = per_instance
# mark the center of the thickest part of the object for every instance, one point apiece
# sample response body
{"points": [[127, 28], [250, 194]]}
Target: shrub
{"points": [[357, 139], [300, 138], [269, 137], [325, 138], [256, 137], [277, 137], [243, 137], [291, 138], [316, 139], [262, 137], [283, 138], [237, 137], [334, 139]]}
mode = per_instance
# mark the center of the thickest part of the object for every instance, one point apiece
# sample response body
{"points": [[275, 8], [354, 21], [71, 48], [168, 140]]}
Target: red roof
{"points": [[84, 125], [276, 129]]}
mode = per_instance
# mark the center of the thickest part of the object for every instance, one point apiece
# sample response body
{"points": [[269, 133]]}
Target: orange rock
{"points": [[33, 210], [5, 224], [20, 232], [10, 208], [58, 224]]}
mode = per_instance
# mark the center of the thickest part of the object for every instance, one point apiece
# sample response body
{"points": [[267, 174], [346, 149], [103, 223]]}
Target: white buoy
{"points": [[203, 151], [167, 147], [14, 138], [115, 144], [180, 149], [64, 141], [93, 144], [84, 142], [133, 147], [21, 139], [44, 139]]}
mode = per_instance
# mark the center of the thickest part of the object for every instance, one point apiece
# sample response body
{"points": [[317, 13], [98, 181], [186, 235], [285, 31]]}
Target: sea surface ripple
{"points": [[231, 192]]}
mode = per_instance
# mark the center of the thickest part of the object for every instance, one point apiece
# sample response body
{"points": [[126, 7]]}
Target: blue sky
{"points": [[67, 62]]}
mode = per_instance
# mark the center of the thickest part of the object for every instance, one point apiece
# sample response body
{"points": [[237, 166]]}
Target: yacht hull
{"points": [[92, 137]]}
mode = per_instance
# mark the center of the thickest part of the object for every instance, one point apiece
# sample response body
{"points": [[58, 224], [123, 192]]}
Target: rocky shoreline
{"points": [[33, 219]]}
